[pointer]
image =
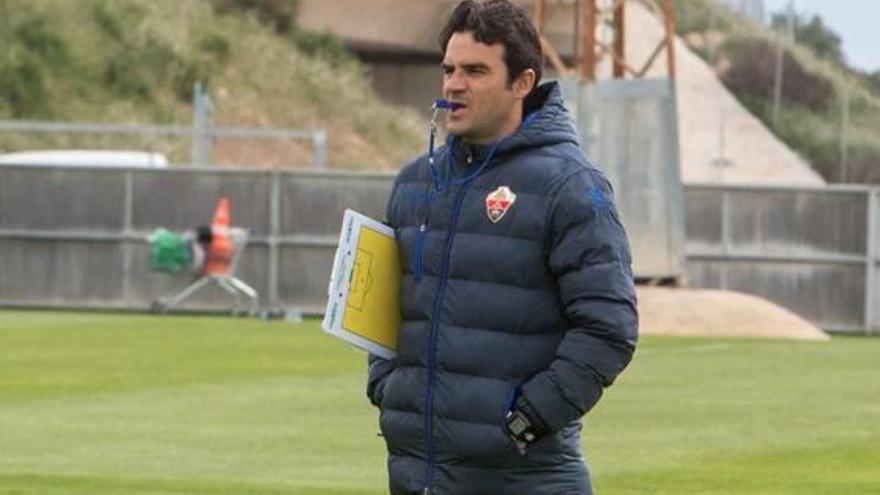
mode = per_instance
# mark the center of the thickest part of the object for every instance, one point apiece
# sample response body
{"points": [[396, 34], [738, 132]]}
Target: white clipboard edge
{"points": [[340, 279]]}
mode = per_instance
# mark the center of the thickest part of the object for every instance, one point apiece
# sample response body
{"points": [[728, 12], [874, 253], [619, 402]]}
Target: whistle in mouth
{"points": [[446, 104]]}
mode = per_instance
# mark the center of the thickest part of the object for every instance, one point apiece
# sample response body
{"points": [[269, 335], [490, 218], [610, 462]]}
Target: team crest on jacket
{"points": [[498, 202]]}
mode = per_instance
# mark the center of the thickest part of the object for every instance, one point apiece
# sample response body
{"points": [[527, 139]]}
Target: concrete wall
{"points": [[629, 129], [77, 237]]}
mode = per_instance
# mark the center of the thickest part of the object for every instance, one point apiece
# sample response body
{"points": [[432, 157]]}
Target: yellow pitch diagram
{"points": [[363, 306]]}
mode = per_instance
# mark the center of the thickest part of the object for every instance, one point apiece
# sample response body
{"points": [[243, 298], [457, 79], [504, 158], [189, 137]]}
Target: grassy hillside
{"points": [[105, 404], [136, 62], [744, 55]]}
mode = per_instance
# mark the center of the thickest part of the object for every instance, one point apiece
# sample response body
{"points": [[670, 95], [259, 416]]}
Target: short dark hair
{"points": [[499, 21]]}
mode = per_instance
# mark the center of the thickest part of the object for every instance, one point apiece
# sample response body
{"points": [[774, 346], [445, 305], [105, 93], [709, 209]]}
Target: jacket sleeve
{"points": [[378, 371], [589, 255]]}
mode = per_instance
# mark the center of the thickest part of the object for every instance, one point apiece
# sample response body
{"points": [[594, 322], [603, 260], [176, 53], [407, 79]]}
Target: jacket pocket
{"points": [[484, 441]]}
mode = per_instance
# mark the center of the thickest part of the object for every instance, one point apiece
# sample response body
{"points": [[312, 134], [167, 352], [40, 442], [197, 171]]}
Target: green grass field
{"points": [[105, 404]]}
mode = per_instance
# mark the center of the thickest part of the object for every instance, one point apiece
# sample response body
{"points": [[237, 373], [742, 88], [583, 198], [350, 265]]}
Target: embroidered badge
{"points": [[498, 202], [600, 200]]}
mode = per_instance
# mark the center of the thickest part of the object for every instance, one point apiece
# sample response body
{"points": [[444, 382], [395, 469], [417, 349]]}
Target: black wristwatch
{"points": [[523, 423], [520, 427]]}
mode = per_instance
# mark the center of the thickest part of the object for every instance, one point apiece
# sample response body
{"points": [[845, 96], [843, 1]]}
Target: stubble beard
{"points": [[468, 130]]}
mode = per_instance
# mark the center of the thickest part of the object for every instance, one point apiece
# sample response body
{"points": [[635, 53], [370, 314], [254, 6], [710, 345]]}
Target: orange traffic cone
{"points": [[218, 256]]}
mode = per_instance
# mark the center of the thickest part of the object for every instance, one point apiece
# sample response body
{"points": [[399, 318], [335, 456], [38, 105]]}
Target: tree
{"points": [[814, 34]]}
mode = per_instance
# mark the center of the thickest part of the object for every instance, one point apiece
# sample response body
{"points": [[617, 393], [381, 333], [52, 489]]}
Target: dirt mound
{"points": [[718, 313]]}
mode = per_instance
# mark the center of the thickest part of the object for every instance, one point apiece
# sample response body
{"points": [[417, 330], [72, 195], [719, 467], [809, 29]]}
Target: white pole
{"points": [[780, 57], [777, 81], [198, 139], [871, 266], [844, 131]]}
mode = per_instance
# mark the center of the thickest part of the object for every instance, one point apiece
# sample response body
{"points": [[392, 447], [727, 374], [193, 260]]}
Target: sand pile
{"points": [[718, 313]]}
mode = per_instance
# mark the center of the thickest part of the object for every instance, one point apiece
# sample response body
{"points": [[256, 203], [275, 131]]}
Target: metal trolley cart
{"points": [[213, 252]]}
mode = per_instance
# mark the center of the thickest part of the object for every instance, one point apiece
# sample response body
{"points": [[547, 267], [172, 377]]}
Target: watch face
{"points": [[517, 425]]}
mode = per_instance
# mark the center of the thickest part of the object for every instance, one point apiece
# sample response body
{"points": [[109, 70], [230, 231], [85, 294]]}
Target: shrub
{"points": [[185, 75], [873, 81], [217, 46], [700, 16], [821, 39], [109, 23], [23, 88], [280, 15], [753, 68], [36, 35], [864, 168], [123, 75], [322, 44], [804, 131]]}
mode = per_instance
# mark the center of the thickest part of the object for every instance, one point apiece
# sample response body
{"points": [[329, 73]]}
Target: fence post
{"points": [[201, 138], [127, 226], [319, 142], [274, 234], [844, 134], [725, 236], [870, 267]]}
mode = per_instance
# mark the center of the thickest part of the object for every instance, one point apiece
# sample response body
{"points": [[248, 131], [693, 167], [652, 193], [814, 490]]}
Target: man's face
{"points": [[475, 76]]}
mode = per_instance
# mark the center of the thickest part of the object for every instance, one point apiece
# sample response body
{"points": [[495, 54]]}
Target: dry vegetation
{"points": [[744, 55], [137, 62]]}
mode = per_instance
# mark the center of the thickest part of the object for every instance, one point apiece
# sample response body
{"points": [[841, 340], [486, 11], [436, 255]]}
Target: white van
{"points": [[85, 158]]}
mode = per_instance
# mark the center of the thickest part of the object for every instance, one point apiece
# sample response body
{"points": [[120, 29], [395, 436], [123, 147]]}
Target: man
{"points": [[517, 299]]}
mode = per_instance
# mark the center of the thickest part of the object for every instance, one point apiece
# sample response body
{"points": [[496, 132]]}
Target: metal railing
{"points": [[202, 132], [833, 248], [203, 137]]}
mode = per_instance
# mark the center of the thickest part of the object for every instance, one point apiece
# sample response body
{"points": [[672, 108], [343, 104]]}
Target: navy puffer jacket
{"points": [[503, 295]]}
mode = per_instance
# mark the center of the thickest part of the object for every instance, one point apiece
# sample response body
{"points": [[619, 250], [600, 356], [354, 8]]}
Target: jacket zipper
{"points": [[438, 299], [419, 248], [432, 346]]}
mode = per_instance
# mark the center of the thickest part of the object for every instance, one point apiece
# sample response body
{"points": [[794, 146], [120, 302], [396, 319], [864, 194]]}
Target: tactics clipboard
{"points": [[363, 296]]}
